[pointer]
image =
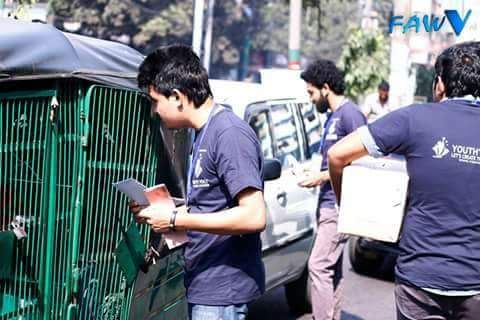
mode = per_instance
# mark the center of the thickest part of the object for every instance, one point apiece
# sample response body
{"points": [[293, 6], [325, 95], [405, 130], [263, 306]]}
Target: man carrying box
{"points": [[438, 268]]}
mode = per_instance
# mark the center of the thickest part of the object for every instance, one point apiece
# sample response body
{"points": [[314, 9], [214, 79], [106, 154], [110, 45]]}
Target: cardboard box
{"points": [[373, 198]]}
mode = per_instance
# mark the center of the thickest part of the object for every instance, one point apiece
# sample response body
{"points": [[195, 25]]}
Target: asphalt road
{"points": [[365, 298]]}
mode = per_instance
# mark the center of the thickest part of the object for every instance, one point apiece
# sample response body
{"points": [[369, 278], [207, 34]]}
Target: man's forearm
{"points": [[340, 155], [335, 168], [237, 220]]}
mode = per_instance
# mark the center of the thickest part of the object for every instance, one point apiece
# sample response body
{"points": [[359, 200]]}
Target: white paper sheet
{"points": [[136, 191]]}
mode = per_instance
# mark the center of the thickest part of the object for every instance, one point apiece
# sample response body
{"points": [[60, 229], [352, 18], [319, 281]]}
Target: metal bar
{"points": [[107, 179], [72, 277], [116, 166], [51, 220], [39, 134], [28, 94]]}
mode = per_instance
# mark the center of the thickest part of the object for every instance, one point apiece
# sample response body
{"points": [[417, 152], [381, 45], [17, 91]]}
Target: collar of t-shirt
{"points": [[468, 98]]}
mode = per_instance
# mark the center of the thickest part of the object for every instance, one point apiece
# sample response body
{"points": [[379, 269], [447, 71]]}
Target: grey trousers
{"points": [[417, 304], [325, 267]]}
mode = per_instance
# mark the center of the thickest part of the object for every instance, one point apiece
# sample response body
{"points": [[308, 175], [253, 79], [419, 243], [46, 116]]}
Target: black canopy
{"points": [[37, 50]]}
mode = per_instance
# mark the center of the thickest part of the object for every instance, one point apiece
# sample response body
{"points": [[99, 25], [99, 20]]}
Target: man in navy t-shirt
{"points": [[325, 86], [226, 209], [438, 269]]}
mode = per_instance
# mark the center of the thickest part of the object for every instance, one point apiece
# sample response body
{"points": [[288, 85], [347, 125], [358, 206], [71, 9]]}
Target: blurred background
{"points": [[238, 38]]}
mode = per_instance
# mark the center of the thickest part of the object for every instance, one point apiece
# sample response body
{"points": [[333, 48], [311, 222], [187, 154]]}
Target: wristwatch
{"points": [[171, 225]]}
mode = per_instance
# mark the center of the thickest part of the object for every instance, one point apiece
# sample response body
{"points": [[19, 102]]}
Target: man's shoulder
{"points": [[228, 121], [350, 108], [228, 129], [416, 108]]}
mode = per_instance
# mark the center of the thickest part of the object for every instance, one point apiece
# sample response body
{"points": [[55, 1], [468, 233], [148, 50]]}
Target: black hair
{"points": [[323, 71], [459, 68], [384, 86], [175, 67]]}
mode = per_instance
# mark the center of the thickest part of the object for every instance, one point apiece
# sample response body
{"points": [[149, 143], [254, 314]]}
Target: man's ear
{"points": [[177, 98], [439, 90], [327, 88]]}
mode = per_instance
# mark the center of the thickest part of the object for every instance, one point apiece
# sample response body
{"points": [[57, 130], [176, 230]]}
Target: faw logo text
{"points": [[430, 23]]}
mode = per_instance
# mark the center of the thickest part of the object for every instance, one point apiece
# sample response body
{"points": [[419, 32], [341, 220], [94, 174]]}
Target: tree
{"points": [[365, 61], [323, 27], [144, 25], [20, 8], [239, 25]]}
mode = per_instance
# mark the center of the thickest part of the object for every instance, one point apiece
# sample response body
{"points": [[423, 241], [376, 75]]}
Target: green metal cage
{"points": [[62, 146]]}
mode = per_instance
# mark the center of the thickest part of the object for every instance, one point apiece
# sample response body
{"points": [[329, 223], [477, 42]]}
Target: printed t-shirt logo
{"points": [[332, 130], [440, 149], [199, 182], [461, 153]]}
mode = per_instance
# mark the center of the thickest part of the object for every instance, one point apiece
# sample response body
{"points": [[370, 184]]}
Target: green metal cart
{"points": [[72, 122]]}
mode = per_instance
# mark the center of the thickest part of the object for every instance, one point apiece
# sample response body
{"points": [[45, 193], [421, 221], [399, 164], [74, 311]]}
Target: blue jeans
{"points": [[232, 312]]}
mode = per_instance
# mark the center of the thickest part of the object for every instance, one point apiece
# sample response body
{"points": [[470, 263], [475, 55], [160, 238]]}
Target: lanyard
{"points": [[197, 142], [325, 130], [327, 125]]}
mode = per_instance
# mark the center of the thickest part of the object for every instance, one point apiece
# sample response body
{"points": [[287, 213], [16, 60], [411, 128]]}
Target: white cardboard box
{"points": [[373, 198]]}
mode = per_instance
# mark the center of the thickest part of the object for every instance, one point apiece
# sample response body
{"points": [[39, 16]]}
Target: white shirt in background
{"points": [[373, 109]]}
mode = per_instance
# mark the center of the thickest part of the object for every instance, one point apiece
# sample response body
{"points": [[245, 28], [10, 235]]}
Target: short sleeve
{"points": [[353, 120], [392, 131], [238, 159]]}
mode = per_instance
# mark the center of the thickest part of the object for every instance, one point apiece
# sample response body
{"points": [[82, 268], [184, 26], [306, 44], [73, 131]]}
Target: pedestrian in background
{"points": [[438, 268], [226, 208], [325, 86], [377, 104]]}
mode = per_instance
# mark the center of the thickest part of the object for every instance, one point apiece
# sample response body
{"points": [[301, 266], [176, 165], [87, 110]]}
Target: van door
{"points": [[297, 221], [259, 121], [311, 123]]}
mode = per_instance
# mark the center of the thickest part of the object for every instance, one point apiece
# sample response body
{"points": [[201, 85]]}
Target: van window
{"points": [[287, 147], [259, 122], [312, 125]]}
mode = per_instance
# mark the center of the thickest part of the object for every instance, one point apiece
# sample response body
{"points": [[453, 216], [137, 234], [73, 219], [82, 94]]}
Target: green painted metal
{"points": [[52, 214], [24, 137], [57, 174]]}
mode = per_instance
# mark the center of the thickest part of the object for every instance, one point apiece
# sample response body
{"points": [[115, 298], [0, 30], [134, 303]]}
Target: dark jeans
{"points": [[417, 304]]}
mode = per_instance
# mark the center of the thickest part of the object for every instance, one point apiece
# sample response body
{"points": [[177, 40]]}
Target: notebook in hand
{"points": [[160, 197]]}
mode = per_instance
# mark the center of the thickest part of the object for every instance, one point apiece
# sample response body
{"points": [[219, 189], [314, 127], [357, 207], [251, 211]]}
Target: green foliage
{"points": [[425, 76], [21, 8], [323, 27], [261, 25], [365, 60], [172, 24]]}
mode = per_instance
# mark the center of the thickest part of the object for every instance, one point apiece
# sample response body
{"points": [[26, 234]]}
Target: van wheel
{"points": [[363, 261], [298, 294]]}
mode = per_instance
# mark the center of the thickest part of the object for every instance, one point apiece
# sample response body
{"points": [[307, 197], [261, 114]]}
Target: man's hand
{"points": [[314, 179], [135, 208], [158, 217]]}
